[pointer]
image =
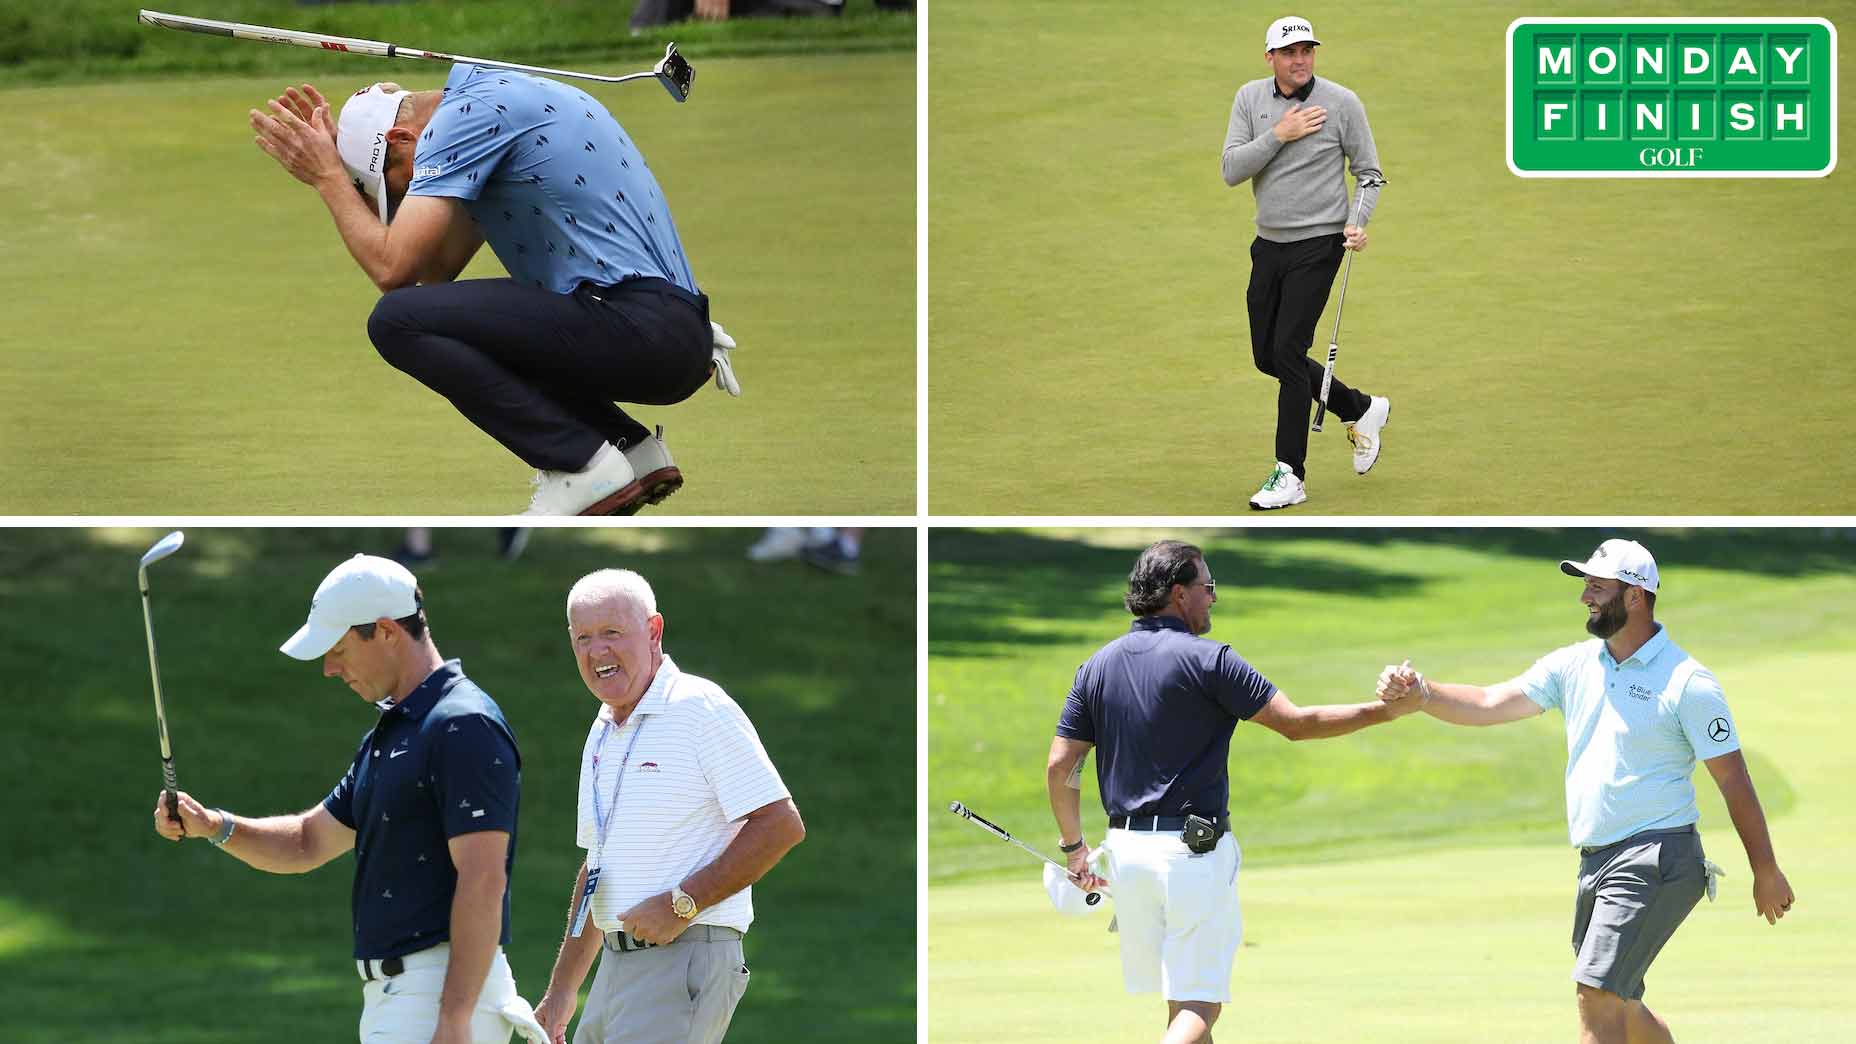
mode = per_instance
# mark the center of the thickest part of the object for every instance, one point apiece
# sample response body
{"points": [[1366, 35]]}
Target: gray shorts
{"points": [[1632, 896], [683, 992]]}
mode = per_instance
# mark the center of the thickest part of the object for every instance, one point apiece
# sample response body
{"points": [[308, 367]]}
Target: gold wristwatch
{"points": [[681, 904]]}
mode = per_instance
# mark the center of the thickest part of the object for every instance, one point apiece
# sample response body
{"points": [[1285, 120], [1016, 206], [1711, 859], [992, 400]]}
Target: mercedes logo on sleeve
{"points": [[1718, 729]]}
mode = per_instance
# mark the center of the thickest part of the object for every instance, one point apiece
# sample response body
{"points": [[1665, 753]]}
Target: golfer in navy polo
{"points": [[428, 806], [1161, 703], [1639, 712], [600, 303]]}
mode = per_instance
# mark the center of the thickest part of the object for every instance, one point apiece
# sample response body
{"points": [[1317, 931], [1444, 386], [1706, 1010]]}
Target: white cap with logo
{"points": [[1289, 30], [1624, 560], [359, 591], [361, 138]]}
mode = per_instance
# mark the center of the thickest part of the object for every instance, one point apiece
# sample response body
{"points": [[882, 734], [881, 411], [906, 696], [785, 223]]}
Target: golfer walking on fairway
{"points": [[428, 806], [1288, 135], [1161, 703], [1639, 711], [600, 303], [681, 811]]}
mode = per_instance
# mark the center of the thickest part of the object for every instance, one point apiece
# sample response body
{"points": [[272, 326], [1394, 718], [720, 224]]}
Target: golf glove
{"points": [[724, 373], [1713, 872]]}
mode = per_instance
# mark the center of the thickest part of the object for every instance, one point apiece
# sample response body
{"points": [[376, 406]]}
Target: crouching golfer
{"points": [[428, 806], [1639, 711], [1161, 703], [600, 304]]}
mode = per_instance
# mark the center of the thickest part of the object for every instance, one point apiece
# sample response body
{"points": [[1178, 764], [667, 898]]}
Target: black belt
{"points": [[1639, 836], [1159, 823], [387, 968], [599, 292]]}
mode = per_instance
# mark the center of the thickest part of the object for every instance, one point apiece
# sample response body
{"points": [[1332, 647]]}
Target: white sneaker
{"points": [[1364, 434], [1282, 489], [604, 485], [776, 543], [657, 474]]}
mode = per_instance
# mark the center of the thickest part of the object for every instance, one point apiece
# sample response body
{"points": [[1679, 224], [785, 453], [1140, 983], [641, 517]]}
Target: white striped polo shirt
{"points": [[696, 769]]}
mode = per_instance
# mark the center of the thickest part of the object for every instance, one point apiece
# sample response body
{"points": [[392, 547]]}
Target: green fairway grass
{"points": [[1411, 882], [186, 334], [109, 935], [1088, 337]]}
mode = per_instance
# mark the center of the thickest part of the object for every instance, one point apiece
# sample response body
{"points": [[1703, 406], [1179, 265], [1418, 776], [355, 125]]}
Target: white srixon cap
{"points": [[361, 138], [1624, 560], [1287, 30], [359, 591]]}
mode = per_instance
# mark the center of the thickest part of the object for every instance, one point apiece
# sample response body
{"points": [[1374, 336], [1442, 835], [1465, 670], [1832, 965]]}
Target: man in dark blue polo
{"points": [[1161, 703], [428, 806]]}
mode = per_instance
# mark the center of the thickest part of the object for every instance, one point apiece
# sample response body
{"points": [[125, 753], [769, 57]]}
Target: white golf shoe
{"points": [[604, 486], [1282, 489], [657, 474], [1364, 434], [778, 542]]}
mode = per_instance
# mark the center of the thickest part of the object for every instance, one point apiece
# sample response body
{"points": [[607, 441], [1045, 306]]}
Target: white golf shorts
{"points": [[404, 1009], [1179, 919]]}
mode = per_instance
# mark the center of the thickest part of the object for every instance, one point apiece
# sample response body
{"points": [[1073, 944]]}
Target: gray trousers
{"points": [[681, 993]]}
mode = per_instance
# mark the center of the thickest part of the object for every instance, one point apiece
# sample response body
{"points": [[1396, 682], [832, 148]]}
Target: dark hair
{"points": [[414, 624], [1163, 564]]}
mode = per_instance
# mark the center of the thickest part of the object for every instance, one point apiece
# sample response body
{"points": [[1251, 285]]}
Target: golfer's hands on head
{"points": [[1353, 237], [1299, 122], [302, 142], [199, 820], [1080, 874], [1772, 894], [555, 1011]]}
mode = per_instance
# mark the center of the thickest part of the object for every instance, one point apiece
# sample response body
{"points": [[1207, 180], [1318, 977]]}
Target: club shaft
{"points": [[154, 675], [352, 45], [1004, 835]]}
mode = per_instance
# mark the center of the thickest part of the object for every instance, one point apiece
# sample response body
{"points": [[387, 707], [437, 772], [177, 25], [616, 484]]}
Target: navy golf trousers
{"points": [[539, 371], [1289, 285]]}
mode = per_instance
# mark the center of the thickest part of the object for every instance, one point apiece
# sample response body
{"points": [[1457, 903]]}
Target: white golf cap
{"points": [[1070, 900], [1287, 30], [1624, 560], [361, 138], [359, 591]]}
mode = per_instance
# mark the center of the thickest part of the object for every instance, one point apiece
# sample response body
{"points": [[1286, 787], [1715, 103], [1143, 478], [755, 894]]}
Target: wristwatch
{"points": [[1067, 849], [681, 904]]}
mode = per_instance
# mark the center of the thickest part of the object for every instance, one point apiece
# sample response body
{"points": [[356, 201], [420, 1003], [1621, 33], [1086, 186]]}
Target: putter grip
{"points": [[173, 802]]}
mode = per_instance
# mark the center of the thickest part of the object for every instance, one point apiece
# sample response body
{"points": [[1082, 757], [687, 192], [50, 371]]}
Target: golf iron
{"points": [[164, 547], [1327, 374], [672, 70], [1000, 832]]}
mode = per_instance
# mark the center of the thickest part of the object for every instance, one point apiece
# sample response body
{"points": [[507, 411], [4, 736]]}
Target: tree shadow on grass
{"points": [[990, 590]]}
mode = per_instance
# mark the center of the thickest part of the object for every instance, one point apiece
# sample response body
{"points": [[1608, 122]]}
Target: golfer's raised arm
{"points": [[1458, 704], [291, 844]]}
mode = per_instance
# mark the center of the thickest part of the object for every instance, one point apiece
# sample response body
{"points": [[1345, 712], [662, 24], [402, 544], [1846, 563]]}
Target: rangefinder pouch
{"points": [[1200, 835]]}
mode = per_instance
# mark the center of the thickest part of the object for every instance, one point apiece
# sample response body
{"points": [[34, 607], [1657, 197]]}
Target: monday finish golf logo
{"points": [[1672, 97]]}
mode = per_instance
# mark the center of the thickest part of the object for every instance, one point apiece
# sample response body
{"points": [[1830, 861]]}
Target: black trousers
{"points": [[539, 371], [1289, 284]]}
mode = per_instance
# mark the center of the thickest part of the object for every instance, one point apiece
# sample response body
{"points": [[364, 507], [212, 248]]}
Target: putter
{"points": [[1000, 832], [1327, 375], [672, 70], [164, 547]]}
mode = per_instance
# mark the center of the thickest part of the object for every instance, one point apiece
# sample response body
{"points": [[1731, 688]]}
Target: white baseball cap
{"points": [[361, 138], [1624, 560], [1287, 30], [359, 591]]}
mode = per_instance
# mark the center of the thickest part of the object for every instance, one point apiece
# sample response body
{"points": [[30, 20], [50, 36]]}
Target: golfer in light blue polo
{"points": [[1639, 711]]}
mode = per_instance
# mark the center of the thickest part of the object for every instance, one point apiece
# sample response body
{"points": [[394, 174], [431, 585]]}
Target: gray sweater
{"points": [[1300, 191]]}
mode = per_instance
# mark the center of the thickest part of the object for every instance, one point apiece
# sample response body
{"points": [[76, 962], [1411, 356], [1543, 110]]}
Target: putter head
{"points": [[164, 547], [674, 72]]}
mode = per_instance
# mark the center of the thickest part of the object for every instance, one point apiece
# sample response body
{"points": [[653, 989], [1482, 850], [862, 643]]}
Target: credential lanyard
{"points": [[601, 819]]}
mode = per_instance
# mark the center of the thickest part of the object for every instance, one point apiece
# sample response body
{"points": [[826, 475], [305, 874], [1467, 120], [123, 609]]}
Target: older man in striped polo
{"points": [[680, 812]]}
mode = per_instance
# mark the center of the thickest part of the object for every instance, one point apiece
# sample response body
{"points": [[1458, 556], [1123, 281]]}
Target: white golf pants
{"points": [[1179, 918], [404, 1008]]}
